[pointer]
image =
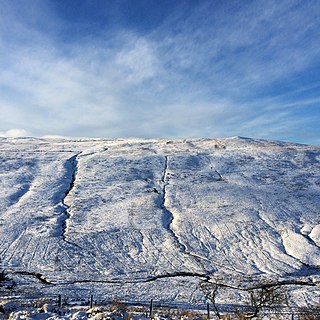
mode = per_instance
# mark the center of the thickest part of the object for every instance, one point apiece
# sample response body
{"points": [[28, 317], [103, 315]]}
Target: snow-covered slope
{"points": [[140, 219]]}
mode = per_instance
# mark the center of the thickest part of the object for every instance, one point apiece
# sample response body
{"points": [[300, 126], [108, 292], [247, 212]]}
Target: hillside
{"points": [[140, 219]]}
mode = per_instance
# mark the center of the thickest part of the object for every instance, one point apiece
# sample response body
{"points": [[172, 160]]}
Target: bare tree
{"points": [[266, 297], [210, 291]]}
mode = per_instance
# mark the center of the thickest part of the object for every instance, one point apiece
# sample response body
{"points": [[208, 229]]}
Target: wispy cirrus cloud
{"points": [[219, 69], [249, 45]]}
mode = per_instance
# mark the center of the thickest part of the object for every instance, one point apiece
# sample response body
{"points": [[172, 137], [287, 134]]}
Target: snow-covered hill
{"points": [[140, 219]]}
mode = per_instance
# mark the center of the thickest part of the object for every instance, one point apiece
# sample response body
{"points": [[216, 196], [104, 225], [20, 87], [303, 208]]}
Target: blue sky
{"points": [[167, 69]]}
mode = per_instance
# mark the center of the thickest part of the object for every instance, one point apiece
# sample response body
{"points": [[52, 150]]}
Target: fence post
{"points": [[59, 301], [91, 301], [151, 307], [208, 310]]}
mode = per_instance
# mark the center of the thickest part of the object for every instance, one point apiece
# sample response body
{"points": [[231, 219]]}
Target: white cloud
{"points": [[247, 46], [138, 60], [14, 133]]}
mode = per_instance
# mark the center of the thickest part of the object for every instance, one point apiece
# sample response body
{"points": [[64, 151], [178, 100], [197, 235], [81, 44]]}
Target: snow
{"points": [[138, 219], [315, 234], [299, 247]]}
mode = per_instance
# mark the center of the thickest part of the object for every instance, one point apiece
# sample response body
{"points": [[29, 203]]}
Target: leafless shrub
{"points": [[189, 314], [40, 303], [310, 313], [118, 306], [238, 315]]}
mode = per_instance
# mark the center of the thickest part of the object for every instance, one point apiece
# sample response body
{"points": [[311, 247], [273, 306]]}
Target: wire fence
{"points": [[153, 307]]}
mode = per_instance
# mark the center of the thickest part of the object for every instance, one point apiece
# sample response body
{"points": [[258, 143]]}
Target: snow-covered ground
{"points": [[140, 219]]}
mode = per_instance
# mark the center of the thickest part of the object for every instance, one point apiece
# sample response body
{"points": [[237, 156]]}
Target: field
{"points": [[136, 220]]}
